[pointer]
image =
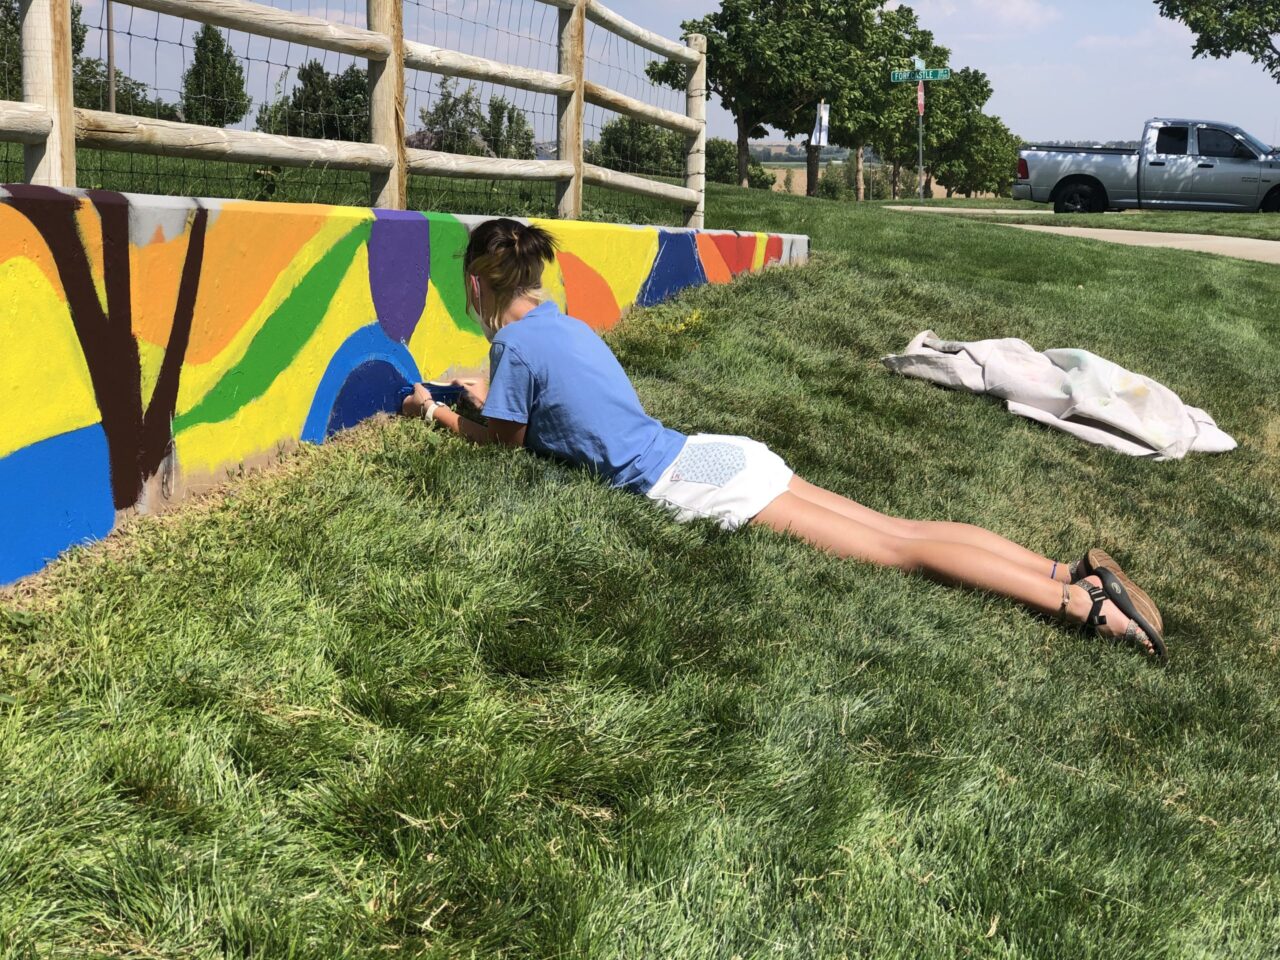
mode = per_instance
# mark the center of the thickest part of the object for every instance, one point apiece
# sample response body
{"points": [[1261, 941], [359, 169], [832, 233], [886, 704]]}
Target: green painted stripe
{"points": [[448, 244], [281, 338]]}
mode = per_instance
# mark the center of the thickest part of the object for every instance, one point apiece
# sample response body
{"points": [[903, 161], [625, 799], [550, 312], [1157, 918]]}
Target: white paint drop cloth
{"points": [[1072, 390]]}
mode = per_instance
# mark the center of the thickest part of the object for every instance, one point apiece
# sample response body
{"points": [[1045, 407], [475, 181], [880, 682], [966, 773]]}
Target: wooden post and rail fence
{"points": [[50, 126]]}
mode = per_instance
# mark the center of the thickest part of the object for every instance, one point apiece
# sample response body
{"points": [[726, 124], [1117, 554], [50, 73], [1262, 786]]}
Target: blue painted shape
{"points": [[676, 266], [53, 495], [371, 361], [370, 388]]}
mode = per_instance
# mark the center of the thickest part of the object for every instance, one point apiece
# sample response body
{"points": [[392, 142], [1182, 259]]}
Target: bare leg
{"points": [[958, 564], [942, 530]]}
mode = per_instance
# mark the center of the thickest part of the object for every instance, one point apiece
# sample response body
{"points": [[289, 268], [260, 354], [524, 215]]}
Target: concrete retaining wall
{"points": [[152, 344]]}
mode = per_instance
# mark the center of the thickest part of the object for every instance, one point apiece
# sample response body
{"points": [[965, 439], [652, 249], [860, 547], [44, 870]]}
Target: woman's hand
{"points": [[477, 390], [417, 402]]}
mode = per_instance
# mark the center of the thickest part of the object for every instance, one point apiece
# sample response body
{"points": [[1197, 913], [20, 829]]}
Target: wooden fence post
{"points": [[46, 83], [386, 105], [572, 61], [695, 175]]}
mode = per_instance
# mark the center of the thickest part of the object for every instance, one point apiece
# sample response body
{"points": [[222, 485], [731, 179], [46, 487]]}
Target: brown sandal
{"points": [[1095, 561], [1139, 628]]}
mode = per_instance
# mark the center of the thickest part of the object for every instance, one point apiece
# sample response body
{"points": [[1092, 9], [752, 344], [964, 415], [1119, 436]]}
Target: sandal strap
{"points": [[1099, 598]]}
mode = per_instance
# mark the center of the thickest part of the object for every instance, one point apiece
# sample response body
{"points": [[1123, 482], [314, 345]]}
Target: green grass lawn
{"points": [[403, 697], [1259, 226]]}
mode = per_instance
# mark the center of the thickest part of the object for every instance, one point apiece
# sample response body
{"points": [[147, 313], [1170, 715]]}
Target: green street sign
{"points": [[913, 76]]}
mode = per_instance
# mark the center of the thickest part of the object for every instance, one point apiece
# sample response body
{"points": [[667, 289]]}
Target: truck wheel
{"points": [[1077, 197], [1271, 204]]}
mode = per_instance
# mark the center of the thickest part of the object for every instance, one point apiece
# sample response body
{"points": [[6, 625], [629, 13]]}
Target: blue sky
{"points": [[1061, 69], [1065, 69]]}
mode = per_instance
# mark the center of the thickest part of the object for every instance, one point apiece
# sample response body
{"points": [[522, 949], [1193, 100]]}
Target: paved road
{"points": [[1243, 248]]}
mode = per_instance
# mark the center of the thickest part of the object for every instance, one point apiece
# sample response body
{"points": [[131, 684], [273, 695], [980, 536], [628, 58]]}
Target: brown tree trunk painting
{"points": [[138, 439]]}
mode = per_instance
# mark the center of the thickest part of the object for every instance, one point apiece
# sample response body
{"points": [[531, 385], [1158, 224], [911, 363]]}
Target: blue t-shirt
{"points": [[556, 376]]}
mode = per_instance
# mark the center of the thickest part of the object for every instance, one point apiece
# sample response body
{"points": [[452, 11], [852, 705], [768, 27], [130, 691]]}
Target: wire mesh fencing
{"points": [[11, 165], [133, 61], [623, 143], [480, 118]]}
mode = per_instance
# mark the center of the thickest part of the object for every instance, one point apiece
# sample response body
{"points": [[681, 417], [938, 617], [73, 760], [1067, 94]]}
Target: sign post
{"points": [[920, 75]]}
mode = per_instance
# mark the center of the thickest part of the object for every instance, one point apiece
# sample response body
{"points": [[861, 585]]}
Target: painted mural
{"points": [[143, 338]]}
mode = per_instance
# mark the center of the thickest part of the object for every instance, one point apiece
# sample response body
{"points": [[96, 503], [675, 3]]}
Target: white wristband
{"points": [[429, 411]]}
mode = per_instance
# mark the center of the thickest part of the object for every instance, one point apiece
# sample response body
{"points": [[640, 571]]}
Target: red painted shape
{"points": [[773, 249], [713, 264], [587, 296], [738, 251]]}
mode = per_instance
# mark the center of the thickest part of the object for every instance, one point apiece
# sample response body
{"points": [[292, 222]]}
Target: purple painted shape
{"points": [[399, 267]]}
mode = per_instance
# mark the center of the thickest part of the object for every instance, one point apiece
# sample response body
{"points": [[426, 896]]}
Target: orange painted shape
{"points": [[773, 249], [738, 251], [18, 238], [155, 270], [713, 260], [587, 296], [246, 249]]}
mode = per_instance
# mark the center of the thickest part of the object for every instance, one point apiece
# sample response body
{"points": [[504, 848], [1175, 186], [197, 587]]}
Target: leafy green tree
{"points": [[633, 146], [322, 105], [837, 35], [89, 74], [89, 82], [455, 123], [507, 131], [766, 61], [867, 94], [213, 93], [722, 161], [895, 136], [1226, 27]]}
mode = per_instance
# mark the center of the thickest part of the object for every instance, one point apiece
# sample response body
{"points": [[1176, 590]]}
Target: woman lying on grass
{"points": [[556, 388]]}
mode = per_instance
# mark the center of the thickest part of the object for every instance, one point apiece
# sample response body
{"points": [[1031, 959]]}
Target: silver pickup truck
{"points": [[1182, 165]]}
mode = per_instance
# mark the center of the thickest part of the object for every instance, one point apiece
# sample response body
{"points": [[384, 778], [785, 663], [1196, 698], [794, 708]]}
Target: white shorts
{"points": [[729, 479]]}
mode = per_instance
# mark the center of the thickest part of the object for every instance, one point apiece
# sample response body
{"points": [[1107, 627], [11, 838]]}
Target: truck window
{"points": [[1222, 145], [1172, 141]]}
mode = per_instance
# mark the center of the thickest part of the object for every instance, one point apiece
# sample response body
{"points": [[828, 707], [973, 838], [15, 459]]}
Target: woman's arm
{"points": [[505, 432]]}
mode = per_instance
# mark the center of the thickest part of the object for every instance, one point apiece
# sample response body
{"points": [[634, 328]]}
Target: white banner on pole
{"points": [[822, 126]]}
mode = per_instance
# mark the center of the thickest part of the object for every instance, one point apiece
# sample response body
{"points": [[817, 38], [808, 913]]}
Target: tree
{"points": [[322, 106], [722, 161], [895, 136], [139, 436], [507, 131], [454, 124], [213, 93], [634, 146], [837, 34], [760, 61], [867, 94], [1225, 28], [89, 74]]}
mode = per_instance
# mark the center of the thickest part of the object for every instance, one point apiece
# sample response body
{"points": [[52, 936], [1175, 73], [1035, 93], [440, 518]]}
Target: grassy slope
{"points": [[1259, 226], [407, 694]]}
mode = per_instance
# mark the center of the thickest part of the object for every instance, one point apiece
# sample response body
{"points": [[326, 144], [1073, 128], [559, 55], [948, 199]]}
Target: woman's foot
{"points": [[1092, 609], [1096, 560]]}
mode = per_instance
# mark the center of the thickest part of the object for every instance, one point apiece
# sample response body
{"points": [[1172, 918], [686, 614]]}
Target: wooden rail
{"points": [[50, 127], [24, 122]]}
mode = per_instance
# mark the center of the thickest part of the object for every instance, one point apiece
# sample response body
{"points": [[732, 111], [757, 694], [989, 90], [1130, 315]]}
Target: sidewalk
{"points": [[969, 211], [1242, 248]]}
